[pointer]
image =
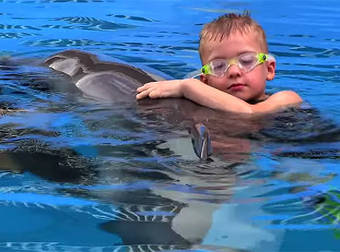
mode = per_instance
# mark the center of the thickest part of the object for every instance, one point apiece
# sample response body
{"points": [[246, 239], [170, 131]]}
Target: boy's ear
{"points": [[204, 78], [271, 66]]}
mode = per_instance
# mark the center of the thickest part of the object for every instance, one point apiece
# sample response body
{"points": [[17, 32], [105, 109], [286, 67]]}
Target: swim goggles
{"points": [[245, 61]]}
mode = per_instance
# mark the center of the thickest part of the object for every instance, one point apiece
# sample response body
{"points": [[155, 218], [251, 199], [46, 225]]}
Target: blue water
{"points": [[83, 176]]}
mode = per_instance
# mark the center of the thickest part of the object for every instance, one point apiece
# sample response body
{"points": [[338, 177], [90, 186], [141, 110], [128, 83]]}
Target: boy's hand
{"points": [[160, 89]]}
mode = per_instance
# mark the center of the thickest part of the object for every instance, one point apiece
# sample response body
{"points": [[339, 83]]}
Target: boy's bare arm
{"points": [[195, 91], [205, 95]]}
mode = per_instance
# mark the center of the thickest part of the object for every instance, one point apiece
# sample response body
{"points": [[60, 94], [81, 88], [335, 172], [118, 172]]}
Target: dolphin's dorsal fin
{"points": [[201, 141]]}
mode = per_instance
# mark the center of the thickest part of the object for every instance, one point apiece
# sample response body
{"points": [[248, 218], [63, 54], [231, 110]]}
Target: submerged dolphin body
{"points": [[116, 82]]}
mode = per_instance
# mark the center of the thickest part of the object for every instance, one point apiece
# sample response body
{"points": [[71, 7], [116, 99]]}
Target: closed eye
{"points": [[247, 60], [219, 65]]}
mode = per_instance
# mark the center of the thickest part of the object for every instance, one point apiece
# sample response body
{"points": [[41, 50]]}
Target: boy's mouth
{"points": [[236, 86]]}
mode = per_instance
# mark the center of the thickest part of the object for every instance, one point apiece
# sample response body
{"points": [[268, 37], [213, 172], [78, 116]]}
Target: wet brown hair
{"points": [[223, 26]]}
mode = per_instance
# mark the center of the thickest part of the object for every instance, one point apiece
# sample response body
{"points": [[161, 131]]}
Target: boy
{"points": [[236, 64]]}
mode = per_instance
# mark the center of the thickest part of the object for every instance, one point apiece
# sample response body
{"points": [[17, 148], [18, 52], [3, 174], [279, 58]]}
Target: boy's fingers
{"points": [[151, 93], [145, 86], [142, 95], [154, 94], [150, 90], [140, 89], [145, 93]]}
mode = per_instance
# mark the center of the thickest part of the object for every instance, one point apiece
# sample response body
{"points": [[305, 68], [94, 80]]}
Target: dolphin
{"points": [[100, 80], [115, 82]]}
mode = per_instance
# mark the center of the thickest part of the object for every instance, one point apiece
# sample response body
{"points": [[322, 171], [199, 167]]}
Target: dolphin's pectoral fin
{"points": [[201, 141]]}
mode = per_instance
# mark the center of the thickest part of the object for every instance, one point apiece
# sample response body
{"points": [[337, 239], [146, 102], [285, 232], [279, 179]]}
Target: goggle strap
{"points": [[193, 74], [196, 75]]}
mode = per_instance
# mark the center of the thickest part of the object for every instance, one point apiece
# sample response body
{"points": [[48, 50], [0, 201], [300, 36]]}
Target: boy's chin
{"points": [[241, 96]]}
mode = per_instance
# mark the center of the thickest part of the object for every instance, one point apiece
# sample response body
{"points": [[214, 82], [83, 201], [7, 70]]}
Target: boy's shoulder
{"points": [[285, 97], [278, 101]]}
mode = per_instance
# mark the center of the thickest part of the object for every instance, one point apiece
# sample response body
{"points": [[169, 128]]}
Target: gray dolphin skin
{"points": [[103, 81], [116, 82]]}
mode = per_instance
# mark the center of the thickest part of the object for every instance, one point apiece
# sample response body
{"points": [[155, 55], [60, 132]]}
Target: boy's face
{"points": [[248, 86]]}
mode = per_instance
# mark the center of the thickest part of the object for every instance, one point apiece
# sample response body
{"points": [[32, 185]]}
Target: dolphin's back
{"points": [[108, 81]]}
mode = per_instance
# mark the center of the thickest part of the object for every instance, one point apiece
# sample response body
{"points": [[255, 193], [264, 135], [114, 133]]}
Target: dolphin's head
{"points": [[68, 66], [73, 63]]}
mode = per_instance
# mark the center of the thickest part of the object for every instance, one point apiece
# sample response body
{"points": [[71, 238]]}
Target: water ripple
{"points": [[62, 43], [133, 18], [88, 23], [15, 35], [18, 27], [59, 246], [320, 211]]}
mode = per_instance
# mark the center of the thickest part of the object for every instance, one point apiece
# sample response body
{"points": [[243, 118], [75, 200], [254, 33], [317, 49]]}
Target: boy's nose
{"points": [[234, 71]]}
